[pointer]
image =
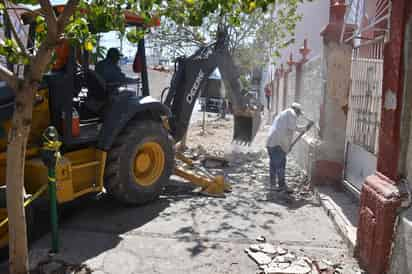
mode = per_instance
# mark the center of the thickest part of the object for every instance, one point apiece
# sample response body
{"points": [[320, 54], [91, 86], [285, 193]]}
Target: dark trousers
{"points": [[268, 102], [277, 165]]}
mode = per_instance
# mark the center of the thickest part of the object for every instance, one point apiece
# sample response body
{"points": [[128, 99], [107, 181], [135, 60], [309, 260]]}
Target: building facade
{"points": [[358, 93]]}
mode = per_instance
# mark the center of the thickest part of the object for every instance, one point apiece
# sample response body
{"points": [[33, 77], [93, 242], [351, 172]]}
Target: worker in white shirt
{"points": [[279, 141]]}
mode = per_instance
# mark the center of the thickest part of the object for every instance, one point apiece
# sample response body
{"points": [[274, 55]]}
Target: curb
{"points": [[341, 222]]}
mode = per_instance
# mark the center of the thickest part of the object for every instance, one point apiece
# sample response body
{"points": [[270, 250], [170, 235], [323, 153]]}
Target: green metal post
{"points": [[50, 155], [53, 210]]}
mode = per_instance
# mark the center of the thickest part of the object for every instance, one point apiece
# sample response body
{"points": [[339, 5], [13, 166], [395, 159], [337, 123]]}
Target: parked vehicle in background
{"points": [[254, 97], [213, 96], [214, 104]]}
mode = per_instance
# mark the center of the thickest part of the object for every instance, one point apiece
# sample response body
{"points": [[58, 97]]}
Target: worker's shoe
{"points": [[285, 189]]}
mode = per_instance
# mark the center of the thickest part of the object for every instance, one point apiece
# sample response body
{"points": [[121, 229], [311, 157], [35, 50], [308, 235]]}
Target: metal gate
{"points": [[364, 111]]}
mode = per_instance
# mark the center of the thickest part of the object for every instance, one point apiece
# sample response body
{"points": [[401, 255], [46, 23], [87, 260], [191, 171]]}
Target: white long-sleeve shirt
{"points": [[283, 127]]}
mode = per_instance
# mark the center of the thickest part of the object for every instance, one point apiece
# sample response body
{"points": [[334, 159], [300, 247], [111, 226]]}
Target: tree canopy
{"points": [[191, 21], [269, 28]]}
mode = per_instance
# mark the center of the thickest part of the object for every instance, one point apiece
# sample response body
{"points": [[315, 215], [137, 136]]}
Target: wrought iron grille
{"points": [[365, 97]]}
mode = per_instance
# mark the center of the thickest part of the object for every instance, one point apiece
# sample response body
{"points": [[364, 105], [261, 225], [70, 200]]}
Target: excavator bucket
{"points": [[246, 126]]}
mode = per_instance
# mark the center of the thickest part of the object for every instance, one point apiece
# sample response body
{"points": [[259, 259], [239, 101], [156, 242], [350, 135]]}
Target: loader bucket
{"points": [[246, 127]]}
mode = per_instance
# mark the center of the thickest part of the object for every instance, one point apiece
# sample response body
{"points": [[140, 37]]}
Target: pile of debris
{"points": [[272, 260], [244, 164]]}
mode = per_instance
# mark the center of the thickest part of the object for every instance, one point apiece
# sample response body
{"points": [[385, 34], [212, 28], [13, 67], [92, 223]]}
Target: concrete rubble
{"points": [[215, 151], [272, 260]]}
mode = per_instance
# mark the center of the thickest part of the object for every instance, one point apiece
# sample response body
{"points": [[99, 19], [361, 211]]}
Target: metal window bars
{"points": [[365, 98]]}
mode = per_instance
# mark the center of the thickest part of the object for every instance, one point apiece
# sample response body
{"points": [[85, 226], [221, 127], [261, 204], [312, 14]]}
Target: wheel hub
{"points": [[148, 164], [143, 162]]}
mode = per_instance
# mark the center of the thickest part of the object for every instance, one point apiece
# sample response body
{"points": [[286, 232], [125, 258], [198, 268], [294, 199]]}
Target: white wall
{"points": [[315, 18]]}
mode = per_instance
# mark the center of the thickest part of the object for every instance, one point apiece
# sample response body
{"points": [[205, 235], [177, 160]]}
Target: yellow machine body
{"points": [[78, 173]]}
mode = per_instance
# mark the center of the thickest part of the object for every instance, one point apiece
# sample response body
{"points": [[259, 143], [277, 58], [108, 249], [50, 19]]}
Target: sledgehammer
{"points": [[310, 125]]}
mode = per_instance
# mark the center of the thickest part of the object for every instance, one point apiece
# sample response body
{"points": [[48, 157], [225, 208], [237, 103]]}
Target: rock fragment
{"points": [[259, 257], [261, 239], [281, 251]]}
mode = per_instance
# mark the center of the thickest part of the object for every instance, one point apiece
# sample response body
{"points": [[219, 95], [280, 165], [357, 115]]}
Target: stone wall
{"points": [[291, 88], [280, 99], [312, 92], [305, 150]]}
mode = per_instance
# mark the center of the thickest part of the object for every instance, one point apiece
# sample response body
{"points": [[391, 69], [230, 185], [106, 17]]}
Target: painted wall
{"points": [[401, 261]]}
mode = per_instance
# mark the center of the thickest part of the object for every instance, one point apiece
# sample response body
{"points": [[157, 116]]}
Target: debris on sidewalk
{"points": [[259, 257], [214, 162], [261, 239], [272, 260], [248, 165]]}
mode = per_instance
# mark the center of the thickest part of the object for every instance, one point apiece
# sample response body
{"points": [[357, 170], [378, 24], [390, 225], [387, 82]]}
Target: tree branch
{"points": [[13, 30], [40, 62], [68, 11], [50, 17], [23, 9], [9, 77]]}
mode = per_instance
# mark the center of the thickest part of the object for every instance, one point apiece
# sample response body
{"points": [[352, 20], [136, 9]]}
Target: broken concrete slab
{"points": [[281, 251], [280, 259], [292, 269], [289, 257], [267, 248], [254, 248], [263, 247], [259, 257], [284, 265], [261, 239]]}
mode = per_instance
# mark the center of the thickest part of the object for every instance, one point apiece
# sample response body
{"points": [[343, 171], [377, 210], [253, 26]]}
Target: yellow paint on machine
{"points": [[77, 173], [148, 164]]}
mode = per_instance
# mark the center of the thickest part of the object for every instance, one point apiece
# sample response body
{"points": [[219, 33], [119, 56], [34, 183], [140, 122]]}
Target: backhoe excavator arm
{"points": [[189, 79]]}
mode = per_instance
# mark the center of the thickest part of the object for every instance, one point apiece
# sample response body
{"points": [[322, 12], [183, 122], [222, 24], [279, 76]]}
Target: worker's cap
{"points": [[297, 107], [114, 53]]}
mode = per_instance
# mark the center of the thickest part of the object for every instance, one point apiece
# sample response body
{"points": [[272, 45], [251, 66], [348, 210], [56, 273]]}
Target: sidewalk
{"points": [[343, 209]]}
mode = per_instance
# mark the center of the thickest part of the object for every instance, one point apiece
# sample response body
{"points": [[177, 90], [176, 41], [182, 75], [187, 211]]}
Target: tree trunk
{"points": [[16, 150]]}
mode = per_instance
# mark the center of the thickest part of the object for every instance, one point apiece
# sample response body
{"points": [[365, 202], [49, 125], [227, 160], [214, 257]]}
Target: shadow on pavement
{"points": [[289, 200], [103, 220]]}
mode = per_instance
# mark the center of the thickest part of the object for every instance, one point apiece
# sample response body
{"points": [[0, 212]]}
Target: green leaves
{"points": [[10, 50], [197, 19], [25, 2], [135, 35], [104, 18]]}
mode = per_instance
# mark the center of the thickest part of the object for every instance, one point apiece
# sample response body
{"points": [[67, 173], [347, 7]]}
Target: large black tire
{"points": [[120, 178]]}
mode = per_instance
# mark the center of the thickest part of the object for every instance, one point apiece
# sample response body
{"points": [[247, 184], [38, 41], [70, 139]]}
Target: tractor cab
{"points": [[82, 105]]}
